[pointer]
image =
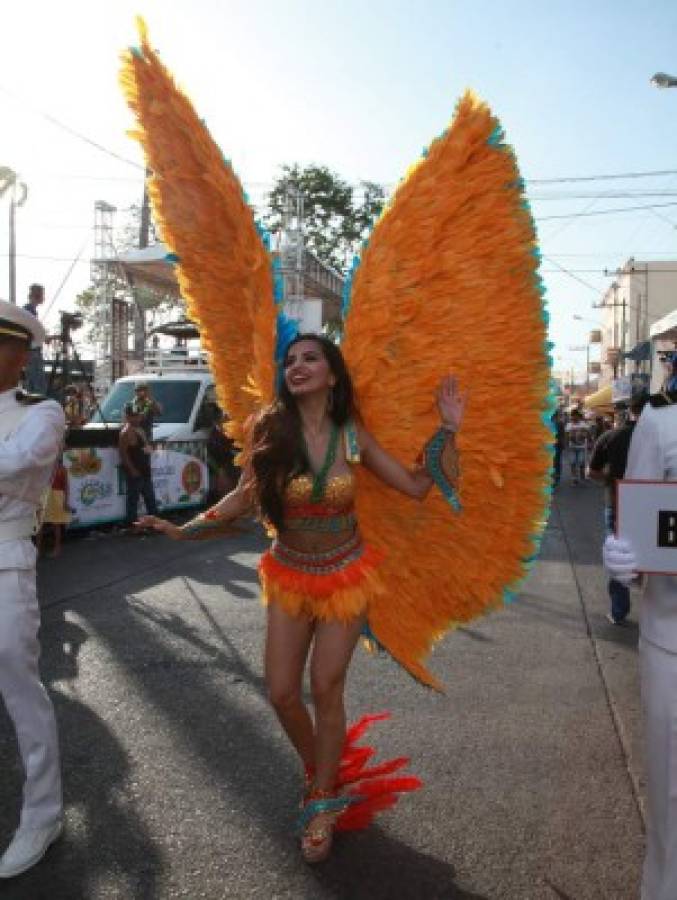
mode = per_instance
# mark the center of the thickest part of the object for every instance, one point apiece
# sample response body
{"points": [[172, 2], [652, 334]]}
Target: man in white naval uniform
{"points": [[31, 435], [653, 457]]}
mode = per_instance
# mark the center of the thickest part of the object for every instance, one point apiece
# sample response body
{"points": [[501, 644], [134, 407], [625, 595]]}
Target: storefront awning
{"points": [[601, 398]]}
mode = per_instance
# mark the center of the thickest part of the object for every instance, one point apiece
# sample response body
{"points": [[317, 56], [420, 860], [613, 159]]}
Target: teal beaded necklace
{"points": [[320, 478]]}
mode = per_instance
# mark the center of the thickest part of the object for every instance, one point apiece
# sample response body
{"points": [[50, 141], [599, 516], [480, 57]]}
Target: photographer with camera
{"points": [[36, 382]]}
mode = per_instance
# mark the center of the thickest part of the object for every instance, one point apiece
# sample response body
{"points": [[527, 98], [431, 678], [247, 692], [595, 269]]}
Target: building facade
{"points": [[641, 293]]}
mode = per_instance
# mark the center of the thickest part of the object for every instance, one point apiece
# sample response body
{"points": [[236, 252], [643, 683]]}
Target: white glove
{"points": [[619, 559]]}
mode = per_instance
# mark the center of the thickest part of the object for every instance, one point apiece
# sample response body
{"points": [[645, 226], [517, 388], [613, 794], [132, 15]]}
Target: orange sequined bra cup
{"points": [[335, 513], [334, 584]]}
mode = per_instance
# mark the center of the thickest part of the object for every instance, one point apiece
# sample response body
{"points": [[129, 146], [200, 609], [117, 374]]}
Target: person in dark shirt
{"points": [[560, 443], [135, 455], [36, 382], [607, 464], [147, 407]]}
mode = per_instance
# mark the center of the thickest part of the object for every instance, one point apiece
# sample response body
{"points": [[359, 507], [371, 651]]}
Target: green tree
{"points": [[336, 215]]}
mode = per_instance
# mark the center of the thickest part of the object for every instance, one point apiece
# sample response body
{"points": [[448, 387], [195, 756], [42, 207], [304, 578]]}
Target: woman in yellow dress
{"points": [[57, 514]]}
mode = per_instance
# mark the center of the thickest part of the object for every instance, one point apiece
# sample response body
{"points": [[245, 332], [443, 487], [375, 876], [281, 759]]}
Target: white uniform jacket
{"points": [[27, 457], [653, 457]]}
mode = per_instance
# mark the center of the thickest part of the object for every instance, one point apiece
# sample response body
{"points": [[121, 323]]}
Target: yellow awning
{"points": [[600, 398]]}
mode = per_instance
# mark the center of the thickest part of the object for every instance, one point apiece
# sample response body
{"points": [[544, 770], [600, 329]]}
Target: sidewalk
{"points": [[178, 783]]}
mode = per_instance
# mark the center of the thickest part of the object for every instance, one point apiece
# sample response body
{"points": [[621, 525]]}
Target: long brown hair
{"points": [[278, 453]]}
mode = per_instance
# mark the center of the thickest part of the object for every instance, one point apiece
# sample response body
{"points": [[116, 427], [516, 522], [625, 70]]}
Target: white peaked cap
{"points": [[18, 322]]}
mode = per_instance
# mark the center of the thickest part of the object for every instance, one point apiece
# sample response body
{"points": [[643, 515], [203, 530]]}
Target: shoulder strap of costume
{"points": [[352, 445]]}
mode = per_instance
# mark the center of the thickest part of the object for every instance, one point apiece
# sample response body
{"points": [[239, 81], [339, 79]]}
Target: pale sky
{"points": [[361, 87]]}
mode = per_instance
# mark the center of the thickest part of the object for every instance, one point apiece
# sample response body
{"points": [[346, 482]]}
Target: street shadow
{"points": [[372, 865], [101, 829], [227, 658], [626, 635], [72, 575], [474, 635], [554, 612], [202, 698]]}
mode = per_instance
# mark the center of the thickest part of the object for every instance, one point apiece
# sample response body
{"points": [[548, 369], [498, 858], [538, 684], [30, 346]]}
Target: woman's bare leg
{"points": [[332, 651], [287, 643]]}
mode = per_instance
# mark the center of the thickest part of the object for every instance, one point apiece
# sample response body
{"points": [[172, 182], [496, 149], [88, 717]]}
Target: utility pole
{"points": [[144, 225], [623, 337], [139, 312]]}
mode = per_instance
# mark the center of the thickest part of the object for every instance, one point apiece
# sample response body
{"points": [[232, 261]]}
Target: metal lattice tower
{"points": [[292, 251], [101, 273]]}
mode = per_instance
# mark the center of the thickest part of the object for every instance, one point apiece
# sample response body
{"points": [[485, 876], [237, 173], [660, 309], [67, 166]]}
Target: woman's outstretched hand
{"points": [[162, 525], [451, 403]]}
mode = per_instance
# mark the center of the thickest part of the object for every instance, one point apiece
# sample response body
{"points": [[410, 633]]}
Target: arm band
{"points": [[206, 525], [440, 459]]}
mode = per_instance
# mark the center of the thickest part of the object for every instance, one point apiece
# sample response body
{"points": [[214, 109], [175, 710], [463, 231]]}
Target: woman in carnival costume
{"points": [[447, 280], [318, 576]]}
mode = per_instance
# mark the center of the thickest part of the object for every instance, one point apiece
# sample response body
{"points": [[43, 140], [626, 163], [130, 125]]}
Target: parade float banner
{"points": [[97, 486]]}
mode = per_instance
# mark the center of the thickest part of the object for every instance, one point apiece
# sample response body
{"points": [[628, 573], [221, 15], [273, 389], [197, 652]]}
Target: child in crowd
{"points": [[57, 514]]}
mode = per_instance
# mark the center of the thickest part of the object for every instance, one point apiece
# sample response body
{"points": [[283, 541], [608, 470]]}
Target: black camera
{"points": [[70, 321]]}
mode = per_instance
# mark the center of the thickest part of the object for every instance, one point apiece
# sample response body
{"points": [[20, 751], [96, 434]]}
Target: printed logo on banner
{"points": [[91, 491], [83, 462], [191, 478]]}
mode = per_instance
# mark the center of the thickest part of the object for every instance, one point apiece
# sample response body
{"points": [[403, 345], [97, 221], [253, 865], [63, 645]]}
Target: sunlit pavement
{"points": [[178, 783]]}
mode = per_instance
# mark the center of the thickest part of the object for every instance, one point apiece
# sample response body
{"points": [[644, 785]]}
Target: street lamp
{"points": [[663, 80], [9, 181]]}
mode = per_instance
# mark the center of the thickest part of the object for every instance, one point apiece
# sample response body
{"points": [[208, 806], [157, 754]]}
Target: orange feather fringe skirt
{"points": [[335, 585]]}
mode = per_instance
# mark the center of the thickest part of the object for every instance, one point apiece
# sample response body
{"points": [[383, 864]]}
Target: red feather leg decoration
{"points": [[377, 793]]}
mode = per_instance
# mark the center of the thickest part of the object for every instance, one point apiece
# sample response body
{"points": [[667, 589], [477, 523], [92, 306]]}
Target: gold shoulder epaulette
{"points": [[663, 398], [26, 399]]}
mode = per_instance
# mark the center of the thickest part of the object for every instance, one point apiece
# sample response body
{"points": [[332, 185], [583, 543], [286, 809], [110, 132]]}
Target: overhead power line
{"points": [[77, 134], [606, 177], [603, 212]]}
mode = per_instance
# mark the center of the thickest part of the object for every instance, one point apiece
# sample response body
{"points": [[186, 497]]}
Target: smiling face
{"points": [[306, 369]]}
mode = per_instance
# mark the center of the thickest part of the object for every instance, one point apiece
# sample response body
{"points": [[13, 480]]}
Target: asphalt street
{"points": [[178, 783]]}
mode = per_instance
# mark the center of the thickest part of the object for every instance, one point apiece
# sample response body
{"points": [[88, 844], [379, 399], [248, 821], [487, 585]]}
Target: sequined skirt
{"points": [[333, 585]]}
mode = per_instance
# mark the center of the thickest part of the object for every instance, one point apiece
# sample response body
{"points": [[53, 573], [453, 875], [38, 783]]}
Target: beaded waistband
{"points": [[323, 563]]}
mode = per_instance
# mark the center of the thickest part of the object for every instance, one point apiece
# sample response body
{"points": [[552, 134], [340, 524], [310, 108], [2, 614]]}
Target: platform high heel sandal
{"points": [[317, 821]]}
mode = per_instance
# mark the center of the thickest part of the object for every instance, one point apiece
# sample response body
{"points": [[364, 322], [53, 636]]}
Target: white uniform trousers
{"points": [[659, 700], [26, 699]]}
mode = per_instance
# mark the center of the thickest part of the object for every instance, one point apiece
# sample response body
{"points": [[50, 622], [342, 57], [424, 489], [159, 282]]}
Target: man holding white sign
{"points": [[653, 458]]}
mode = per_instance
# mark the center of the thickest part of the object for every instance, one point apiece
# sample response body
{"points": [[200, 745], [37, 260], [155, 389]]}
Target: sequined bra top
{"points": [[335, 511]]}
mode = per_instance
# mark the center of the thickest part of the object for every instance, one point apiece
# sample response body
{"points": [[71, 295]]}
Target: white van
{"points": [[184, 388], [182, 385]]}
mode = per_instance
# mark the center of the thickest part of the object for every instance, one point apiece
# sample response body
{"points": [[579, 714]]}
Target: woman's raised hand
{"points": [[162, 525], [451, 403]]}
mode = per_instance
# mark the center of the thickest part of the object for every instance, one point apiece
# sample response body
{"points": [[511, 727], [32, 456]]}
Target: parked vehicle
{"points": [[183, 386]]}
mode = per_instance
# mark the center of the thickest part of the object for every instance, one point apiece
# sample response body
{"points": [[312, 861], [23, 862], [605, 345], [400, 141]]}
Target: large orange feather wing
{"points": [[224, 268], [448, 283]]}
